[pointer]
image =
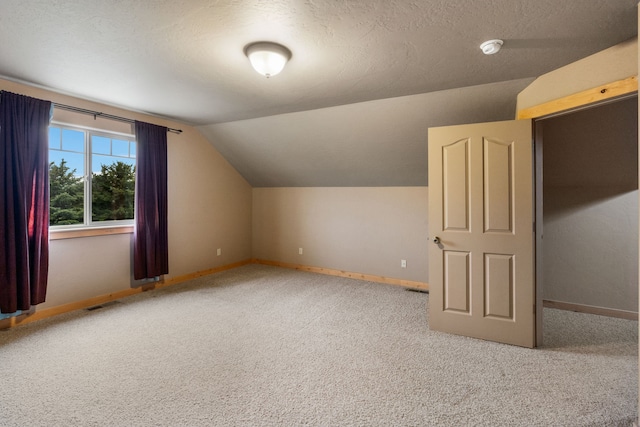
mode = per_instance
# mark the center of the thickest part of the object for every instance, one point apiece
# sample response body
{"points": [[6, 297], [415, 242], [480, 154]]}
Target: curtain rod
{"points": [[97, 114]]}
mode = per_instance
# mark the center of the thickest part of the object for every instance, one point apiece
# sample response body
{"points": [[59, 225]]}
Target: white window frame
{"points": [[100, 227]]}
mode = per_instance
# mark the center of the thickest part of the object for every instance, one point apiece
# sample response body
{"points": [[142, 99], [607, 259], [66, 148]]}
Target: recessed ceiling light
{"points": [[491, 46]]}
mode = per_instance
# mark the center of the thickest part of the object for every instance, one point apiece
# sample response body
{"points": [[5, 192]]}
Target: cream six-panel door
{"points": [[481, 255]]}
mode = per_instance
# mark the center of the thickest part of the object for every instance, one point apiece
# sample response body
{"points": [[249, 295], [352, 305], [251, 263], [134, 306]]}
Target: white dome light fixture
{"points": [[267, 58], [491, 46]]}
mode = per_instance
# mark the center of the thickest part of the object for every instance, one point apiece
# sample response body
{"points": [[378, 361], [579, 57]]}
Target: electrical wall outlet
{"points": [[219, 252], [299, 251], [403, 263]]}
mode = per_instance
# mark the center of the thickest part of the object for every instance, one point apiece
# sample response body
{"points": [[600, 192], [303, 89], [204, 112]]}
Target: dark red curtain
{"points": [[24, 201], [150, 247]]}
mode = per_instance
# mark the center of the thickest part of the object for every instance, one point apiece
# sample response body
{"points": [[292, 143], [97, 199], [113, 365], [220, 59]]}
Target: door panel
{"points": [[498, 181], [455, 176], [457, 289], [498, 286], [481, 276]]}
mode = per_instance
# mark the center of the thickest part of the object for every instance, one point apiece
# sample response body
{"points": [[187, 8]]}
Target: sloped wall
{"points": [[610, 65]]}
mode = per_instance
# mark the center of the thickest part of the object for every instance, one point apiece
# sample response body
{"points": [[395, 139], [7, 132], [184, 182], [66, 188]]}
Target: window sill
{"points": [[89, 232]]}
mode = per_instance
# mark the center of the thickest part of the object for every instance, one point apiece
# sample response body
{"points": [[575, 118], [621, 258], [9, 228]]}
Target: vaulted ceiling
{"points": [[365, 81]]}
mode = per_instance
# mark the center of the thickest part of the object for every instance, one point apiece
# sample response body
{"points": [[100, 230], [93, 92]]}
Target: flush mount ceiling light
{"points": [[267, 58], [491, 46]]}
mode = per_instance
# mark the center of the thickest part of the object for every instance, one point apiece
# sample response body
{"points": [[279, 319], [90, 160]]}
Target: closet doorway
{"points": [[587, 246]]}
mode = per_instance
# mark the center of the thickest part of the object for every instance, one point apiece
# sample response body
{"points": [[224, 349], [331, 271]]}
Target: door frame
{"points": [[599, 95]]}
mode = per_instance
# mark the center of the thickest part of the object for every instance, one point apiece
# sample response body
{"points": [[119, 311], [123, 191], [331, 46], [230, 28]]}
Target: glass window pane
{"points": [[100, 145], [132, 147], [54, 137], [74, 162], [113, 186], [73, 140], [119, 147], [66, 185]]}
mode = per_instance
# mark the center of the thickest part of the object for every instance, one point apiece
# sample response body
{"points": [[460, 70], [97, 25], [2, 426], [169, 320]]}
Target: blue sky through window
{"points": [[68, 144]]}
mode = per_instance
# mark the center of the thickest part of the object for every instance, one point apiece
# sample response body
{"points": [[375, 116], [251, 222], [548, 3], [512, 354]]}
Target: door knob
{"points": [[436, 240]]}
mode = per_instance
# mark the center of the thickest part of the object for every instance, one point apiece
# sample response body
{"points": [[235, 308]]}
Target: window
{"points": [[92, 177]]}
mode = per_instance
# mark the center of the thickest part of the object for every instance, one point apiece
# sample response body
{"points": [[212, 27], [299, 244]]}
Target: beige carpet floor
{"points": [[264, 346]]}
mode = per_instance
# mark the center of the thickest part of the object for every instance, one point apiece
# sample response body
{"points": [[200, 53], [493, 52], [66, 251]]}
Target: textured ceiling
{"points": [[183, 59]]}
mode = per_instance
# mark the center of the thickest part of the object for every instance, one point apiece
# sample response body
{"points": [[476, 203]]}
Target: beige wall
{"points": [[357, 229], [209, 208], [609, 65]]}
